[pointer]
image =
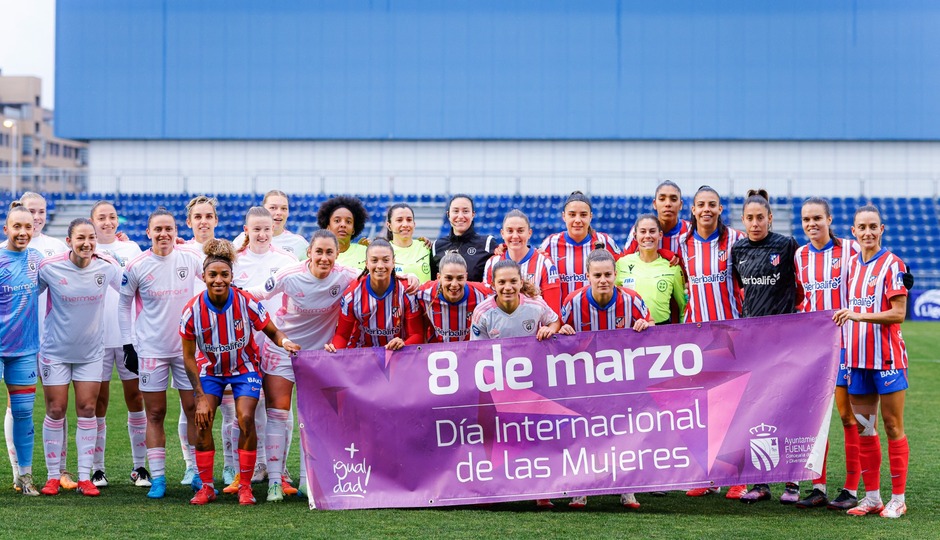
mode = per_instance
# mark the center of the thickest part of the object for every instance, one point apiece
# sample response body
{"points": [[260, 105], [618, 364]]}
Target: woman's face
{"points": [[602, 276], [507, 282], [19, 229], [162, 233], [322, 254], [516, 233], [648, 235], [868, 230], [380, 261], [260, 230], [105, 219], [460, 214], [218, 278], [757, 221], [36, 207], [453, 280], [202, 220], [279, 209], [816, 224], [342, 224], [668, 204], [707, 209], [577, 217], [83, 241], [402, 223]]}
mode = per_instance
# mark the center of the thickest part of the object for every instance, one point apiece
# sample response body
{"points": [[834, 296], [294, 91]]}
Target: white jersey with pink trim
{"points": [[294, 244], [122, 253], [162, 287], [491, 322], [75, 309], [196, 248], [252, 271], [309, 307]]}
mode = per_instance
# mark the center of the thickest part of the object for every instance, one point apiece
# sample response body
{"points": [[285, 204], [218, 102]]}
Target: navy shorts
{"points": [[877, 381], [247, 385], [842, 379]]}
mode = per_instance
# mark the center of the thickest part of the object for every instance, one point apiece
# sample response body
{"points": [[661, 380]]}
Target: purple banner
{"points": [[673, 407]]}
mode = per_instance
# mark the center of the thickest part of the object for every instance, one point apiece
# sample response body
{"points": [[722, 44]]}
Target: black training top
{"points": [[766, 273], [475, 248]]}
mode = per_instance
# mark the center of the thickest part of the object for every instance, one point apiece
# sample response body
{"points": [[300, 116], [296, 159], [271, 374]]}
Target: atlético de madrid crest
{"points": [[775, 259]]}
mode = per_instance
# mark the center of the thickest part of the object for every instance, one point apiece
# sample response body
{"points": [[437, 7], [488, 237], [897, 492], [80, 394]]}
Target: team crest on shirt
{"points": [[99, 279], [836, 263], [182, 272], [619, 322], [872, 280], [238, 325], [32, 266], [528, 325], [722, 255], [396, 312], [775, 259], [471, 251], [334, 290]]}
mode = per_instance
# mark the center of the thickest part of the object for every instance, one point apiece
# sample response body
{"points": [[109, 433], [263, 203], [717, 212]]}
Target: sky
{"points": [[27, 42]]}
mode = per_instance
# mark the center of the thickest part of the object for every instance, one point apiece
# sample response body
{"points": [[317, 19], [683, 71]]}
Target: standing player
{"points": [[877, 361], [105, 219], [463, 239], [345, 217], [764, 269], [667, 203], [378, 307], [19, 322], [647, 272], [72, 349], [47, 247], [603, 306], [220, 324], [310, 293], [256, 262], [513, 314], [449, 301], [411, 257], [277, 204], [570, 249], [161, 279], [537, 268], [822, 269], [706, 256]]}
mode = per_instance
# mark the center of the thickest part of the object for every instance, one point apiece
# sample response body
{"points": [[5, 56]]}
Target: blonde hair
{"points": [[202, 199]]}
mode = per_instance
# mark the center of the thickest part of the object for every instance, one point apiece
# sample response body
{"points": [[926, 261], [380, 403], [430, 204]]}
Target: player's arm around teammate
{"points": [[877, 361], [219, 323]]}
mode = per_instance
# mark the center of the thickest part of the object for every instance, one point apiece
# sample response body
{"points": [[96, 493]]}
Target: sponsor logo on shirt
{"points": [[710, 278], [761, 280], [865, 302], [269, 284], [825, 285], [471, 250], [124, 279]]}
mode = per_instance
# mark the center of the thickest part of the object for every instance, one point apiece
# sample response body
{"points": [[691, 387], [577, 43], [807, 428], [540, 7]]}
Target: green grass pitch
{"points": [[122, 510]]}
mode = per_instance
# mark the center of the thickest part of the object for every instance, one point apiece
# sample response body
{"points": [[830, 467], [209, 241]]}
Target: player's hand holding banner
{"points": [[675, 407]]}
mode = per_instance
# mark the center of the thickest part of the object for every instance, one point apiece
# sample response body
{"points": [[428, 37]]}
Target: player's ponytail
{"points": [[218, 250], [759, 196], [254, 211], [17, 207]]}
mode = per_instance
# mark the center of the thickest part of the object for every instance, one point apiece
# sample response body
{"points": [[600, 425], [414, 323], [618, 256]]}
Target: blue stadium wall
{"points": [[498, 69]]}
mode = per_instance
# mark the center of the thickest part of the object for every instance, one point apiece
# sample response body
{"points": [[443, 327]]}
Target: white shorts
{"points": [[155, 374], [276, 361], [55, 373], [114, 358]]}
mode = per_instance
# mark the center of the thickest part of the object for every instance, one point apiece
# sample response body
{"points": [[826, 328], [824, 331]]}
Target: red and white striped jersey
{"points": [[224, 337], [449, 322], [712, 295], [582, 312], [537, 268], [570, 257], [872, 285], [672, 239], [377, 319], [824, 274]]}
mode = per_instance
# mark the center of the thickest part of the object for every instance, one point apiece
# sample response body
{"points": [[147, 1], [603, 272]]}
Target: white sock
{"points": [[274, 441], [261, 423], [52, 445], [100, 442], [290, 435], [8, 435], [897, 497], [874, 496], [86, 433], [137, 431], [182, 429], [63, 463], [820, 487], [156, 457], [228, 418], [853, 492]]}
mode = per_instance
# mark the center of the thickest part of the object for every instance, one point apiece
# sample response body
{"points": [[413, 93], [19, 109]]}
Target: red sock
{"points": [[246, 466], [205, 462], [852, 467], [869, 457], [898, 454], [822, 475]]}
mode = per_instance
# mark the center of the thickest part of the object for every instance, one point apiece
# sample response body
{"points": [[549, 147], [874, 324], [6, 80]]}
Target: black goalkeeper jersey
{"points": [[765, 271]]}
